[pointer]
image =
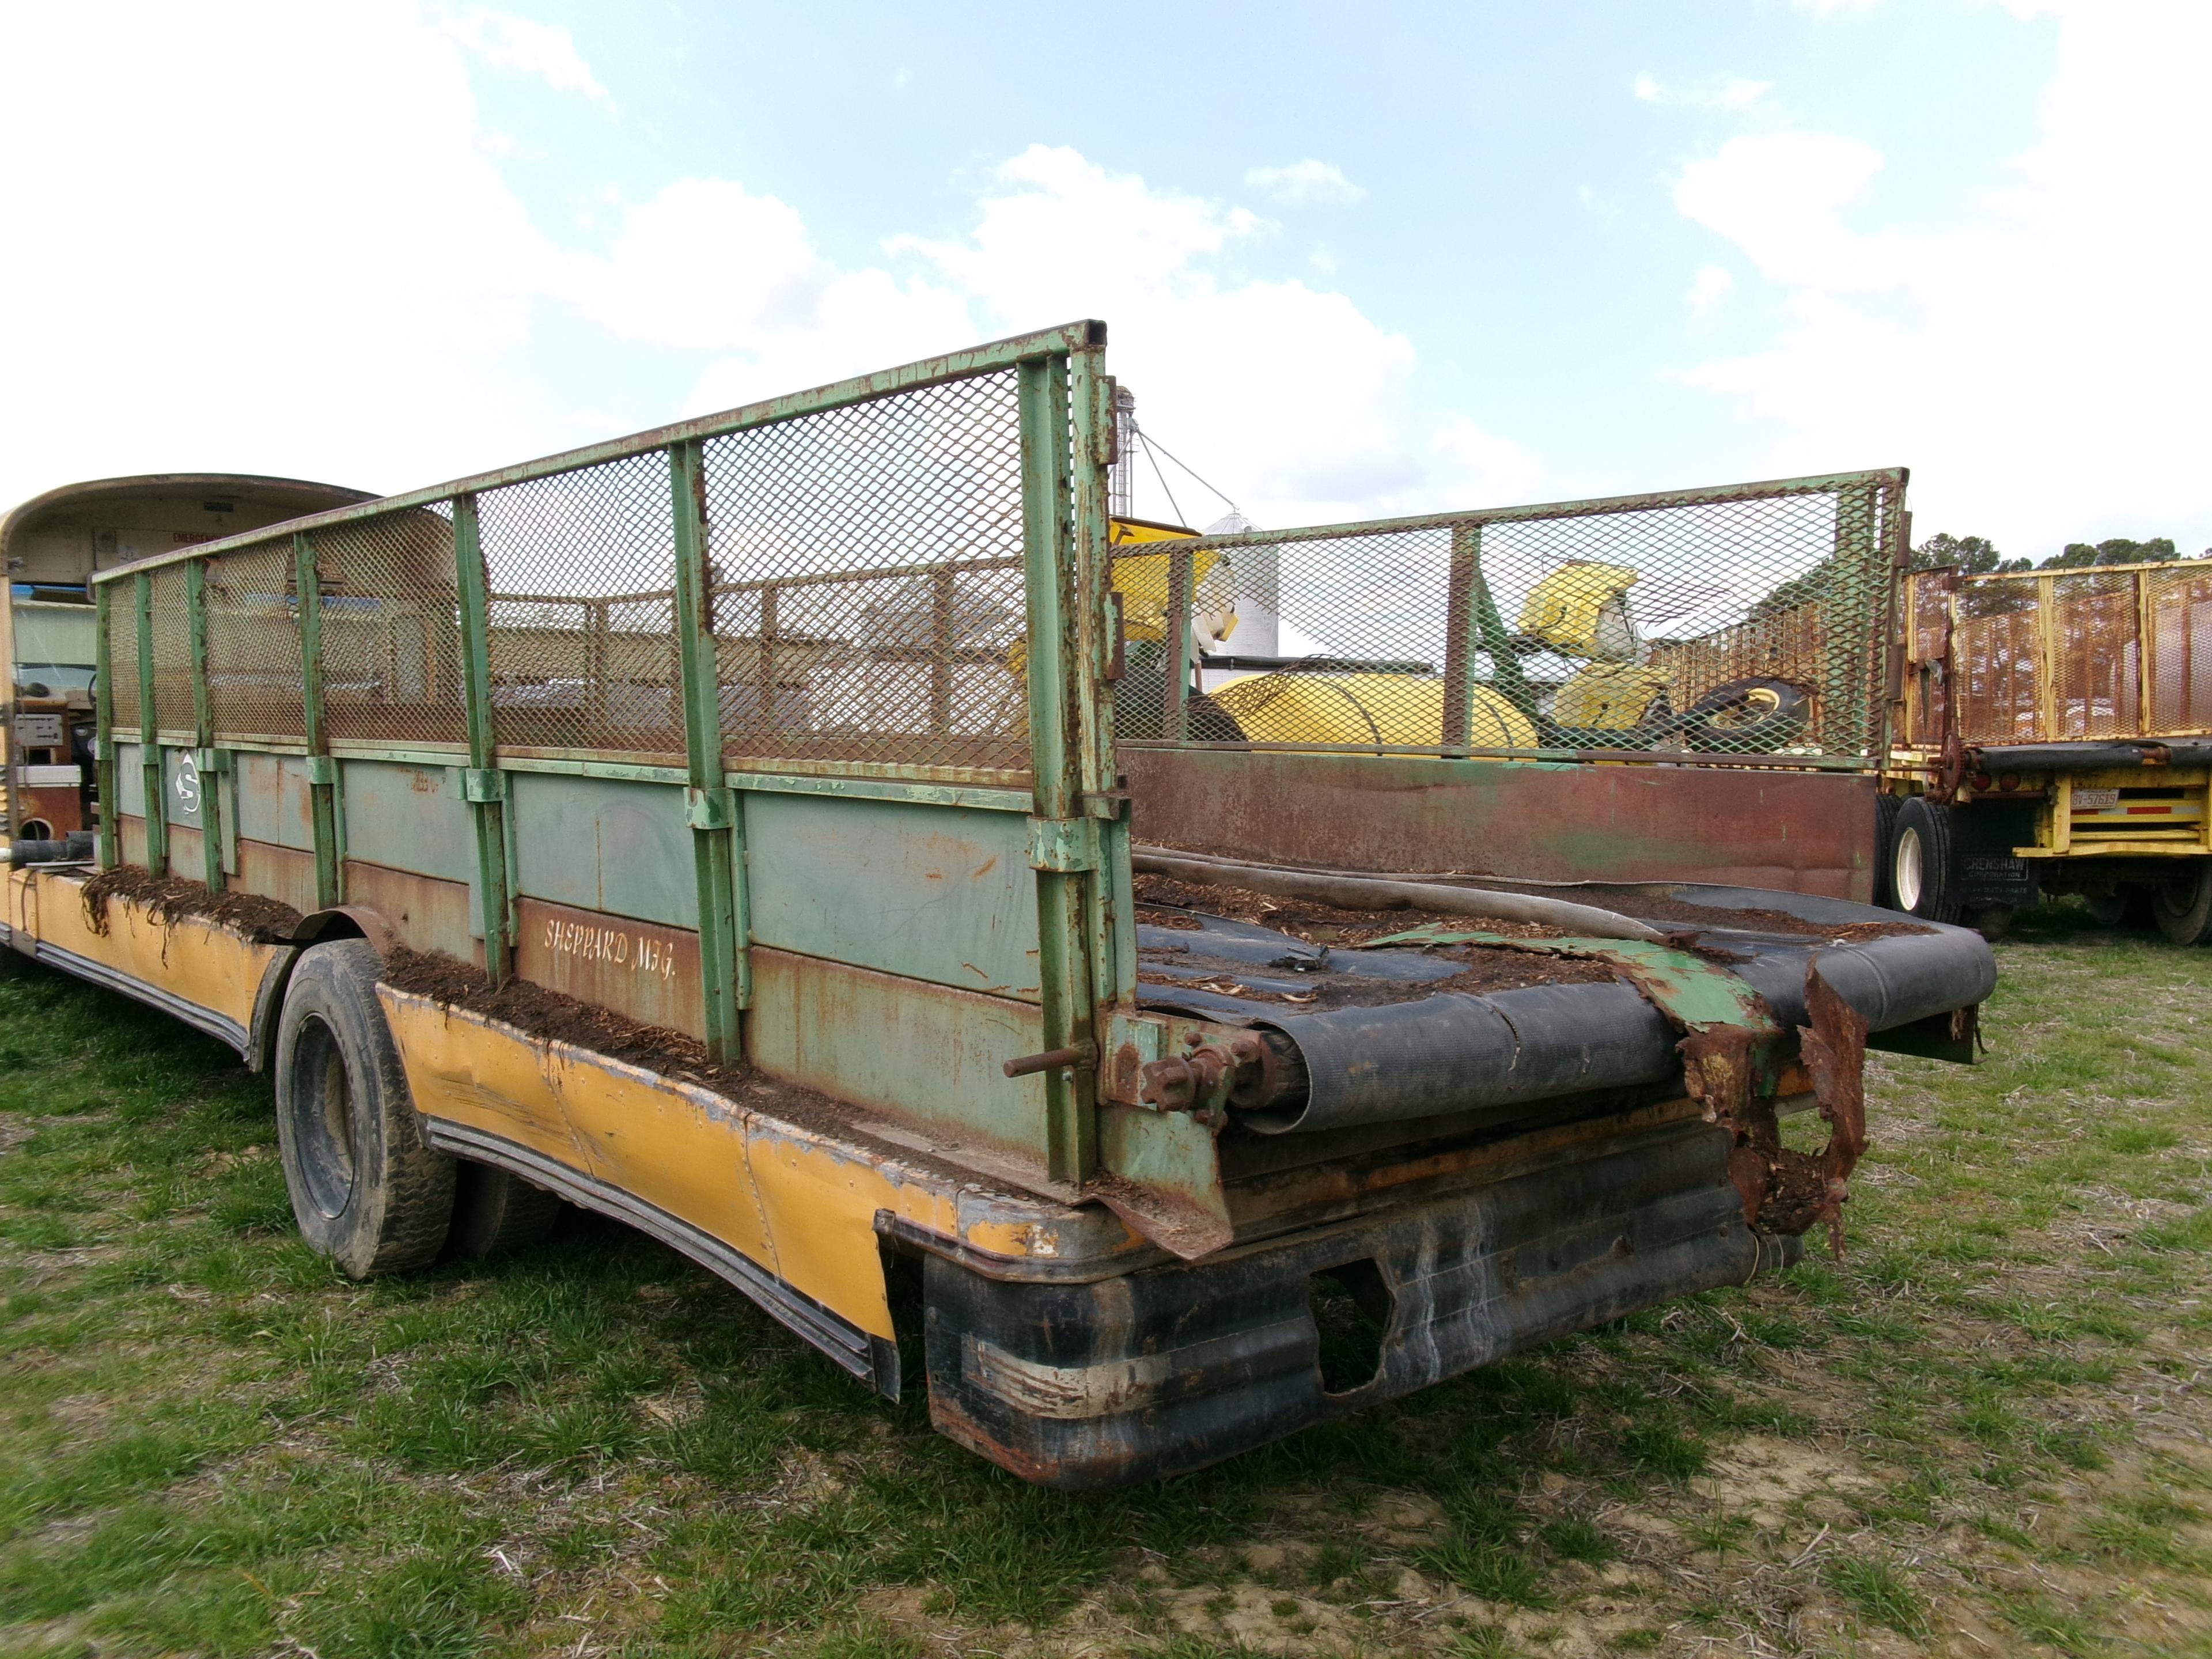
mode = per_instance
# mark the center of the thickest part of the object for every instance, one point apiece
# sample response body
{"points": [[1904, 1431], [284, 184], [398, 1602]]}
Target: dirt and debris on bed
{"points": [[452, 983], [1315, 923], [1657, 907], [1323, 924], [169, 899], [1308, 984]]}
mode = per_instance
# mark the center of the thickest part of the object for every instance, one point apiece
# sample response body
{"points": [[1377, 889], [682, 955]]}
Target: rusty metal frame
{"points": [[1870, 521], [203, 754], [111, 804], [150, 763]]}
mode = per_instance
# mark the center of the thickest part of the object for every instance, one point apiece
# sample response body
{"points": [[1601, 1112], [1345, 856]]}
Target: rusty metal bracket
{"points": [[1065, 845], [481, 785]]}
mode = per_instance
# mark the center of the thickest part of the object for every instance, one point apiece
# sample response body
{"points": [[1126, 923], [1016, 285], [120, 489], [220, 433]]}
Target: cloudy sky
{"points": [[1357, 260]]}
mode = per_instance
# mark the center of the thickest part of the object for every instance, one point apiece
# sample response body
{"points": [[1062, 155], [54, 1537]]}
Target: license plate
{"points": [[2095, 800]]}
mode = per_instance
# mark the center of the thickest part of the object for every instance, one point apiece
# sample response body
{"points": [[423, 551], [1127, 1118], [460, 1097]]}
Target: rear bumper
{"points": [[1171, 1368]]}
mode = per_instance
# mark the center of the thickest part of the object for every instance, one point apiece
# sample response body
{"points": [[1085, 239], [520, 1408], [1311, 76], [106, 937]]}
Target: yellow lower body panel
{"points": [[797, 1205], [199, 970]]}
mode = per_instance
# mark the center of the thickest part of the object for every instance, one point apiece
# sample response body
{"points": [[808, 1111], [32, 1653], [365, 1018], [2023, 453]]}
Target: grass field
{"points": [[1981, 1433]]}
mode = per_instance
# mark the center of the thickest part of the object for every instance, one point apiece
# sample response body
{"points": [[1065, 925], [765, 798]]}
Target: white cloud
{"points": [[1779, 196], [326, 277], [1719, 92], [368, 300], [1710, 290], [544, 51], [1306, 183], [2042, 360], [1834, 8]]}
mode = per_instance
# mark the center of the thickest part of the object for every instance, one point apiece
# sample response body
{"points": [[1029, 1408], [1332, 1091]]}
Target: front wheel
{"points": [[2183, 907], [366, 1191], [1920, 873]]}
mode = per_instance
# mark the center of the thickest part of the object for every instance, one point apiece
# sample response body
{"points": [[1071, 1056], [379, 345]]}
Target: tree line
{"points": [[1976, 555]]}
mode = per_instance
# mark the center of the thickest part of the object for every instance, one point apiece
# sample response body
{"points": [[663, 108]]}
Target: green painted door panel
{"points": [[938, 893], [274, 804], [409, 817], [603, 844], [923, 1053], [130, 783]]}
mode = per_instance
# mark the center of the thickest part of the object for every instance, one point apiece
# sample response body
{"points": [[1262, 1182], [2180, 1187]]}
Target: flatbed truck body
{"points": [[2054, 735], [725, 829]]}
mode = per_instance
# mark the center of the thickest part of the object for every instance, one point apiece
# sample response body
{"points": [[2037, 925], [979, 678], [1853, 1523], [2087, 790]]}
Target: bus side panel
{"points": [[801, 1208], [190, 960], [944, 893]]}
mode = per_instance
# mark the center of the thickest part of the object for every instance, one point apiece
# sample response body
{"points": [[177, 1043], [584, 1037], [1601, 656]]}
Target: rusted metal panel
{"points": [[603, 844], [132, 838], [642, 969], [935, 893], [283, 873], [408, 817], [276, 804], [926, 1053], [1804, 832], [427, 914]]}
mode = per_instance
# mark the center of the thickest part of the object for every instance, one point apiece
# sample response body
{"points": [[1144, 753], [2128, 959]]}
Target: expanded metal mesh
{"points": [[582, 617], [2084, 654], [2180, 609], [391, 630], [1996, 647], [173, 713], [255, 687], [1747, 623], [121, 688], [2096, 650], [866, 582]]}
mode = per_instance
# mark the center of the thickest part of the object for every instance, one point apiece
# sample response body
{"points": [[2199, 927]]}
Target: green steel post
{"points": [[204, 728], [1111, 941], [484, 784], [322, 775], [157, 788], [712, 808], [1064, 867], [103, 657]]}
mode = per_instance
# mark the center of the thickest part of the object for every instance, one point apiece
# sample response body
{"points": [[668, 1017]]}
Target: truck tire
{"points": [[366, 1191], [1920, 872], [1885, 844], [2183, 908], [497, 1214], [2123, 907]]}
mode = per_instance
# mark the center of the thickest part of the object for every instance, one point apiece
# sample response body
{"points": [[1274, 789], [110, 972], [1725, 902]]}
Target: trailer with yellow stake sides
{"points": [[732, 829], [2055, 735]]}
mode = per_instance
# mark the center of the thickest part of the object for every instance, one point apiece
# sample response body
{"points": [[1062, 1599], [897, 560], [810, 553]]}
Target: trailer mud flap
{"points": [[1154, 1373]]}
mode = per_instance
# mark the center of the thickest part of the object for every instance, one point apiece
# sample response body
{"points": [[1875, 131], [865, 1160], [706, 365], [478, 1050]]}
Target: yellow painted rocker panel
{"points": [[794, 1202], [198, 960]]}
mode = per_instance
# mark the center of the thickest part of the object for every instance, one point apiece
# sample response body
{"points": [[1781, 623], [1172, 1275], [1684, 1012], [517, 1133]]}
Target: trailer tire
{"points": [[2183, 908], [365, 1189], [497, 1214], [1920, 872], [1885, 844]]}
